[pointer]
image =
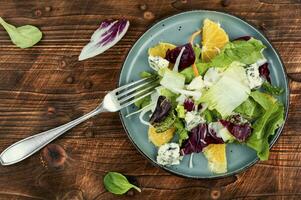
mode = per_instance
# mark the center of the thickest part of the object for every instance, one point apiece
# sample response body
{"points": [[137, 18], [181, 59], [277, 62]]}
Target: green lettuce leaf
{"points": [[141, 103], [266, 124], [180, 131], [246, 52], [211, 115], [180, 111], [197, 52], [249, 109], [229, 91]]}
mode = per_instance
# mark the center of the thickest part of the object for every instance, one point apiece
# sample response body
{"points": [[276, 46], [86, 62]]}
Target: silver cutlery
{"points": [[112, 102]]}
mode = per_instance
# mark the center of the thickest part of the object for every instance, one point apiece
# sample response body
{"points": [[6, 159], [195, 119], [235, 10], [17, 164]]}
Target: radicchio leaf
{"points": [[189, 105], [162, 110], [187, 58], [265, 72], [239, 128], [199, 138], [106, 36], [246, 38]]}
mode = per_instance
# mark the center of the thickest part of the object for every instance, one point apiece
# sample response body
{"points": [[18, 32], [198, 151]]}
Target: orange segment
{"points": [[216, 156], [159, 139], [160, 49], [214, 39]]}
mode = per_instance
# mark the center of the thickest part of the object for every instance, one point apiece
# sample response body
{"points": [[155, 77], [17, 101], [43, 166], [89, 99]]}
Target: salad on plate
{"points": [[210, 94]]}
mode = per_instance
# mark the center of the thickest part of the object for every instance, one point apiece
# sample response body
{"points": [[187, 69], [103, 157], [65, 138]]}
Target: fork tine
{"points": [[140, 86], [131, 84], [153, 86], [134, 100]]}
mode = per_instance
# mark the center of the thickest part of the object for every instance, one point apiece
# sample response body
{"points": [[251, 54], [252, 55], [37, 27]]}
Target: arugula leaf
{"points": [[271, 89], [23, 36], [118, 184]]}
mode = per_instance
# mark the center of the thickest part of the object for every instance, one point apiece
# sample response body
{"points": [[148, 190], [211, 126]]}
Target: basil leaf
{"points": [[271, 89], [24, 36], [116, 183]]}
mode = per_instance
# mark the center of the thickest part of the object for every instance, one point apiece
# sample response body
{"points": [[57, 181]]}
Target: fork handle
{"points": [[30, 145]]}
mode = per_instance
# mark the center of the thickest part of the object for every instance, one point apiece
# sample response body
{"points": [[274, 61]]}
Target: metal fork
{"points": [[112, 102]]}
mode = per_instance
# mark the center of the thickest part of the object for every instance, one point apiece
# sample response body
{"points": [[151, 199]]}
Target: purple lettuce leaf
{"points": [[187, 58], [246, 38], [106, 36], [199, 138], [162, 110], [189, 105], [265, 72], [239, 128]]}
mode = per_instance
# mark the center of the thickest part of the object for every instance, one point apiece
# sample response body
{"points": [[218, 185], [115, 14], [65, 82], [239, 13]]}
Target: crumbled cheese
{"points": [[169, 154], [253, 75], [193, 119], [212, 76], [157, 62]]}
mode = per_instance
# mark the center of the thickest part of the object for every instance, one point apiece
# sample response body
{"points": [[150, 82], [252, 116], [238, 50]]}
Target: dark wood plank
{"points": [[45, 86]]}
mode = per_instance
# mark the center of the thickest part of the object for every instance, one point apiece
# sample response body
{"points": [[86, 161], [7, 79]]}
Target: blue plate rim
{"points": [[276, 136]]}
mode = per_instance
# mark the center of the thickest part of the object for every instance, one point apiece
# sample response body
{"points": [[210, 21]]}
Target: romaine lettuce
{"points": [[229, 91]]}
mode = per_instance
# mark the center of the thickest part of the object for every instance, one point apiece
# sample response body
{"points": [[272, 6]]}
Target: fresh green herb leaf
{"points": [[197, 52], [116, 183], [271, 89], [23, 36]]}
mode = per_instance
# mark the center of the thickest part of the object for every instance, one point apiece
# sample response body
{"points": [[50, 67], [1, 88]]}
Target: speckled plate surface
{"points": [[177, 29]]}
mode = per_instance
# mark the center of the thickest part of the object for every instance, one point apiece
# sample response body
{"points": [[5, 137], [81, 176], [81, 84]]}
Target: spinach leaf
{"points": [[116, 183], [23, 36]]}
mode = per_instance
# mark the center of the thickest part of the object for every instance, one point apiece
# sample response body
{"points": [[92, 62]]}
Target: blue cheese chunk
{"points": [[169, 154], [253, 75], [157, 62], [193, 119]]}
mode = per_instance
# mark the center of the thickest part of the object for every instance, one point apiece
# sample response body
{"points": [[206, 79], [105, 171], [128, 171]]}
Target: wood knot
{"points": [[225, 3], [215, 194], [88, 84], [69, 79], [263, 27], [48, 8], [50, 110], [63, 63], [148, 15], [38, 13], [54, 156], [143, 6]]}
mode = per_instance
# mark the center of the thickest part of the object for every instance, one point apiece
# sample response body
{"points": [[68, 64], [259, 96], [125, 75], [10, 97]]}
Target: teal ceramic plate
{"points": [[177, 29]]}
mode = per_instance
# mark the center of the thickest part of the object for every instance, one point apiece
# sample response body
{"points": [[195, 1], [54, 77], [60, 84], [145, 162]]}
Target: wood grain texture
{"points": [[45, 86]]}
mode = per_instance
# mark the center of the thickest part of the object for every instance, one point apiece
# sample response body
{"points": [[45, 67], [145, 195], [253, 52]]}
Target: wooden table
{"points": [[45, 86]]}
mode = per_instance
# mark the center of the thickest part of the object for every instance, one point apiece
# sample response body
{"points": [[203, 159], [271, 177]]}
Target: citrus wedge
{"points": [[160, 49], [214, 39], [159, 139], [216, 156]]}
